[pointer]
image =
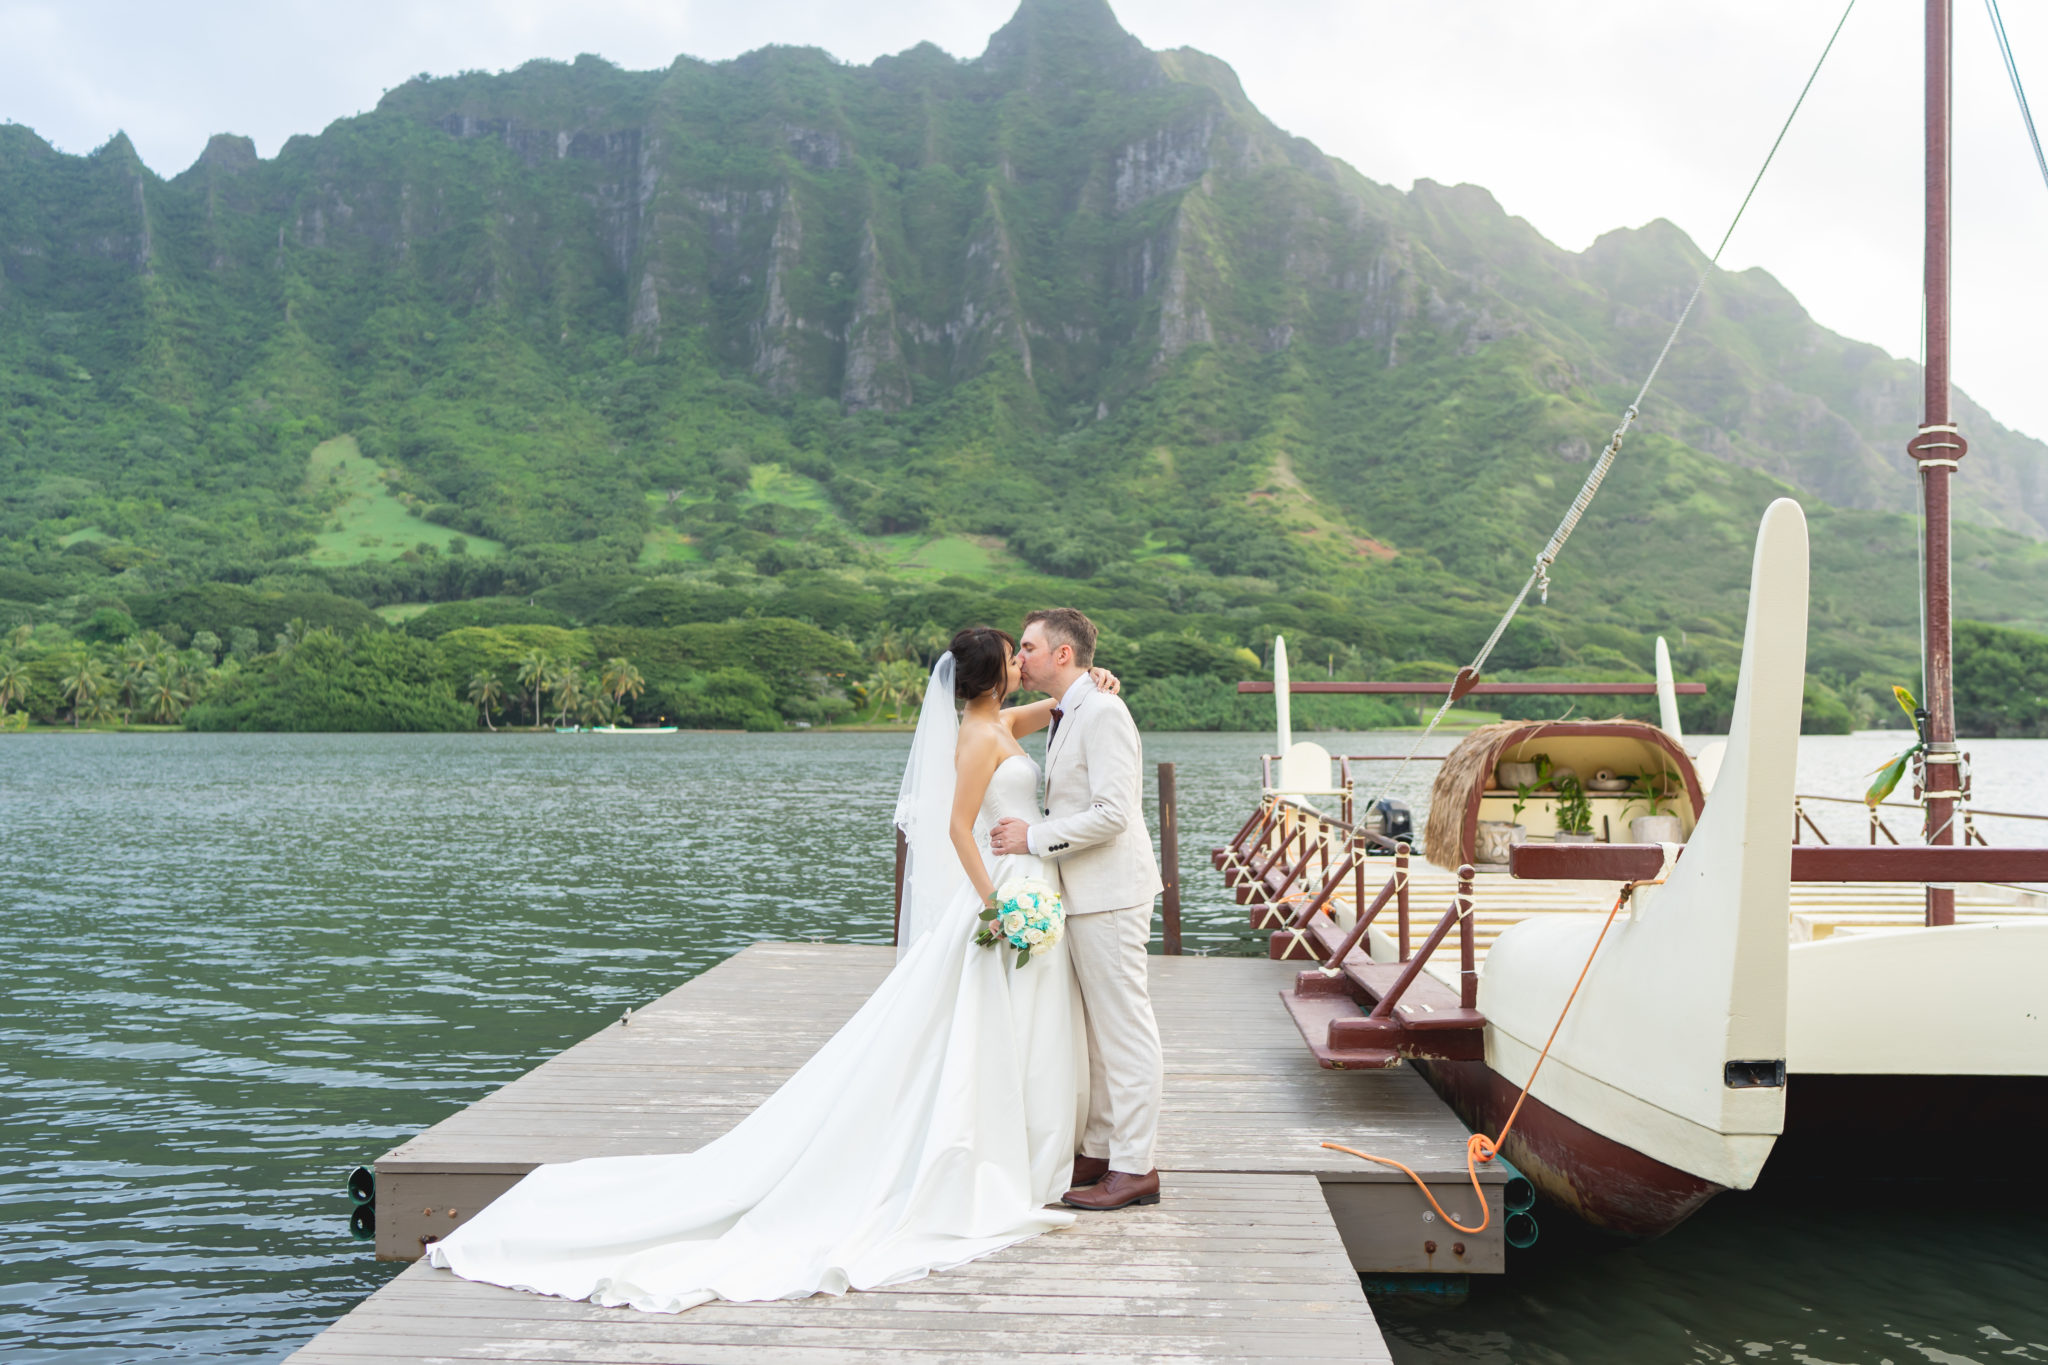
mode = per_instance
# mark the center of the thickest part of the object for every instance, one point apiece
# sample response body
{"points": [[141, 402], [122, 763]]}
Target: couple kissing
{"points": [[976, 1099]]}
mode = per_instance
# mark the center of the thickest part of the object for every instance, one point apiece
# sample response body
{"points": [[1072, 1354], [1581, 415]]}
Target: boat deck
{"points": [[1253, 1255], [1818, 910]]}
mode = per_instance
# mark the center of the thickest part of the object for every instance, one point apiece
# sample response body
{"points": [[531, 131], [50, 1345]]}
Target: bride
{"points": [[934, 1128]]}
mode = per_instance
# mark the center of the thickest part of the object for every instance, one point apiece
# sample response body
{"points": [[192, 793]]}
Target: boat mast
{"points": [[1935, 450]]}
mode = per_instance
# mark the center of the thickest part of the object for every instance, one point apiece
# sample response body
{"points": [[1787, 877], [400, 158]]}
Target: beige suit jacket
{"points": [[1094, 832]]}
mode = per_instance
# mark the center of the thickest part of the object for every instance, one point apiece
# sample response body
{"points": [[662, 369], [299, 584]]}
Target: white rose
{"points": [[1034, 937], [1013, 921]]}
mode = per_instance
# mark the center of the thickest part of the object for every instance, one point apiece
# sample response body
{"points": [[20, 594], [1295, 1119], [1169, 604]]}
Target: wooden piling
{"points": [[1169, 862]]}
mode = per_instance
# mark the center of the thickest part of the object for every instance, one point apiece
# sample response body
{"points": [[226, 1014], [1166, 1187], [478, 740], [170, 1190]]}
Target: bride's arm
{"points": [[974, 763], [1029, 720]]}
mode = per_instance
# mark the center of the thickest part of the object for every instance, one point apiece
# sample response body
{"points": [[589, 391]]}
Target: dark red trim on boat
{"points": [[1810, 863], [1603, 1182]]}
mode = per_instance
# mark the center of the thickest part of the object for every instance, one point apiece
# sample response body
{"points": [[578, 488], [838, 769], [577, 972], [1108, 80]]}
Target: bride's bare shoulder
{"points": [[980, 742]]}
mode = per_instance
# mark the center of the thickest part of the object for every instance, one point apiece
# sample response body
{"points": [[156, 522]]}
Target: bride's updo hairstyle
{"points": [[981, 661]]}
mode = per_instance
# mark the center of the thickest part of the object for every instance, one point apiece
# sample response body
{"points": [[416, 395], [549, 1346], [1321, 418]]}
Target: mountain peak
{"points": [[1054, 40], [229, 152]]}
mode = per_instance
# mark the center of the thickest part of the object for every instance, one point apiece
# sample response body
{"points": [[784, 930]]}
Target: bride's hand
{"points": [[1106, 681]]}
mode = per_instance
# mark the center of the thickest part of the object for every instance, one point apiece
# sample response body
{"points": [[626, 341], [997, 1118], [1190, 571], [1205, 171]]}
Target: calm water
{"points": [[239, 965]]}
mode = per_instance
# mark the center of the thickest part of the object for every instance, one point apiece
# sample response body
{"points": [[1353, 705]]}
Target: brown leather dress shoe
{"points": [[1118, 1190], [1089, 1169]]}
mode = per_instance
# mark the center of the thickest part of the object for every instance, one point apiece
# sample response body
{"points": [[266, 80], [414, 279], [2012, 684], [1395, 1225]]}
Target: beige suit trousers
{"points": [[1126, 1073]]}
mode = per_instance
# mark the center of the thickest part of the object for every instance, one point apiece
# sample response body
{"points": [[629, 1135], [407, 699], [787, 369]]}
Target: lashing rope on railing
{"points": [[1396, 884], [1539, 575]]}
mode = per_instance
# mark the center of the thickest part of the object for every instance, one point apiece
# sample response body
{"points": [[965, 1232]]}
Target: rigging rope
{"points": [[1539, 576], [2019, 91]]}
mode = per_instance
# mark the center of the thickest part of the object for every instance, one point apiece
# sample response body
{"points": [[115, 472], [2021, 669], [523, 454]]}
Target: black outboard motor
{"points": [[1392, 820]]}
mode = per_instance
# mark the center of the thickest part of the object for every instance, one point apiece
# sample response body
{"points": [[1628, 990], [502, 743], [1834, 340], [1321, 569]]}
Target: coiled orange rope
{"points": [[1479, 1147]]}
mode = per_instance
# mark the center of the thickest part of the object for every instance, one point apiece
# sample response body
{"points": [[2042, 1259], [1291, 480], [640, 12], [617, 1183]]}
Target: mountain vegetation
{"points": [[874, 351]]}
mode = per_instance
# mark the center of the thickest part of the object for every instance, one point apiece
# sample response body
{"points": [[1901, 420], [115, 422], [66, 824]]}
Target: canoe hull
{"points": [[1606, 1184]]}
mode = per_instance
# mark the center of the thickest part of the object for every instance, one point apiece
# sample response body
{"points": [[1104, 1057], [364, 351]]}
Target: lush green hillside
{"points": [[888, 346]]}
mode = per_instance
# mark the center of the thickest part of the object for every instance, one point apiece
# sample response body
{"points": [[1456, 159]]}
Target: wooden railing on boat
{"points": [[1289, 863], [1966, 815]]}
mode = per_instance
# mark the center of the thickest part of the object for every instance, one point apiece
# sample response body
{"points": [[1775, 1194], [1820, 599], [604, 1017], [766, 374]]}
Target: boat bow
{"points": [[1676, 1045]]}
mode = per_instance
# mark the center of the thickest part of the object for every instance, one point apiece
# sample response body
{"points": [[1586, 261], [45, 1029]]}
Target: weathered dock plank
{"points": [[1242, 1095], [1244, 1267], [1241, 1091], [1253, 1255]]}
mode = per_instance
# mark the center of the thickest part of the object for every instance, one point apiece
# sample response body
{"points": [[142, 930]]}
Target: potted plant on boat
{"points": [[1574, 811], [1655, 792]]}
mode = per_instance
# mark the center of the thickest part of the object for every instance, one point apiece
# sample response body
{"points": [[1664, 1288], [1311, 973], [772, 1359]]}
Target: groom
{"points": [[1095, 832]]}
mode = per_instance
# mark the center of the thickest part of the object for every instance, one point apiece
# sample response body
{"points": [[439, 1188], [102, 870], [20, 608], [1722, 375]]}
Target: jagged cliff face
{"points": [[1094, 222]]}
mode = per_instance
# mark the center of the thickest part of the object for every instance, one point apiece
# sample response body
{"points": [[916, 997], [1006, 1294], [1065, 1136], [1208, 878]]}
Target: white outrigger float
{"points": [[1638, 1027], [1749, 995]]}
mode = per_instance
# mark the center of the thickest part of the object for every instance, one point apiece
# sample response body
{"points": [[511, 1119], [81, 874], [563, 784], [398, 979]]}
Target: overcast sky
{"points": [[1579, 115]]}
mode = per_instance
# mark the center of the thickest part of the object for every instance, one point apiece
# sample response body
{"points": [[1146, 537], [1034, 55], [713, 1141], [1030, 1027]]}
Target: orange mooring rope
{"points": [[1479, 1147]]}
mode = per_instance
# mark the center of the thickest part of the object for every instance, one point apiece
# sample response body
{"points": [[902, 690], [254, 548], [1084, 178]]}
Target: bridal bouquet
{"points": [[1027, 915]]}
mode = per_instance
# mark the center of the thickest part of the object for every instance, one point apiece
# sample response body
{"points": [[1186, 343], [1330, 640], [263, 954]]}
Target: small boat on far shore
{"points": [[615, 729]]}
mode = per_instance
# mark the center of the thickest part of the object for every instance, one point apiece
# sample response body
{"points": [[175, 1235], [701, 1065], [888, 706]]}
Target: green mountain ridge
{"points": [[1073, 309]]}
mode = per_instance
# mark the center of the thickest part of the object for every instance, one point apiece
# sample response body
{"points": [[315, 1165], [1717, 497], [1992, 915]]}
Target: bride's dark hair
{"points": [[981, 658]]}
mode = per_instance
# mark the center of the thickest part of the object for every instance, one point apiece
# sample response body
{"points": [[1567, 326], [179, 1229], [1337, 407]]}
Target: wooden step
{"points": [[1314, 1014], [1427, 1003]]}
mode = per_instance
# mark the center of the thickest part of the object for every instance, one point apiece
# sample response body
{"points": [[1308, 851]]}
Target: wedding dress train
{"points": [[932, 1129]]}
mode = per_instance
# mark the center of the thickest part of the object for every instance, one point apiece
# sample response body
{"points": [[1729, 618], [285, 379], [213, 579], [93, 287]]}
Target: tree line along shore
{"points": [[237, 661]]}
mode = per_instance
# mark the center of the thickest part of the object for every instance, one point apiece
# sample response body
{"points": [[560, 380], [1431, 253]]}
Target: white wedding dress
{"points": [[934, 1128]]}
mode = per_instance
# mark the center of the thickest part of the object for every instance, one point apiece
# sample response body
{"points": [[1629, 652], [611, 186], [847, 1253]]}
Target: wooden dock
{"points": [[1254, 1253]]}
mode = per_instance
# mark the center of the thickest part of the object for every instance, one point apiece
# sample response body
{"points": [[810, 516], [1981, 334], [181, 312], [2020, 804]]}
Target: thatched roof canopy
{"points": [[1625, 745]]}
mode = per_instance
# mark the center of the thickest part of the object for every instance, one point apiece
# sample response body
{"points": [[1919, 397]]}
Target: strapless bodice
{"points": [[1012, 791]]}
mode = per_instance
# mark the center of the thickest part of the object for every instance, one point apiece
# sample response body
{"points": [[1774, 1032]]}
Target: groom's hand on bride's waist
{"points": [[1010, 837]]}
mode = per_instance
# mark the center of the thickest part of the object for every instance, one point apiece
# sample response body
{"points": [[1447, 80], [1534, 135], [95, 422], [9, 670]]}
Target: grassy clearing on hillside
{"points": [[396, 613], [666, 545], [83, 533], [370, 522], [772, 483], [919, 556]]}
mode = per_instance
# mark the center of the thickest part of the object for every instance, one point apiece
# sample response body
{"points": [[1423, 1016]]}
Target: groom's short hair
{"points": [[1065, 626]]}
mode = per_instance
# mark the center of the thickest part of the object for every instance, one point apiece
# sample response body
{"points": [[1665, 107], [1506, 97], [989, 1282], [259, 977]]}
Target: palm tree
{"points": [[895, 684], [884, 644], [568, 688], [487, 693], [13, 682], [929, 641], [163, 693], [85, 687], [293, 635], [621, 680], [534, 671]]}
